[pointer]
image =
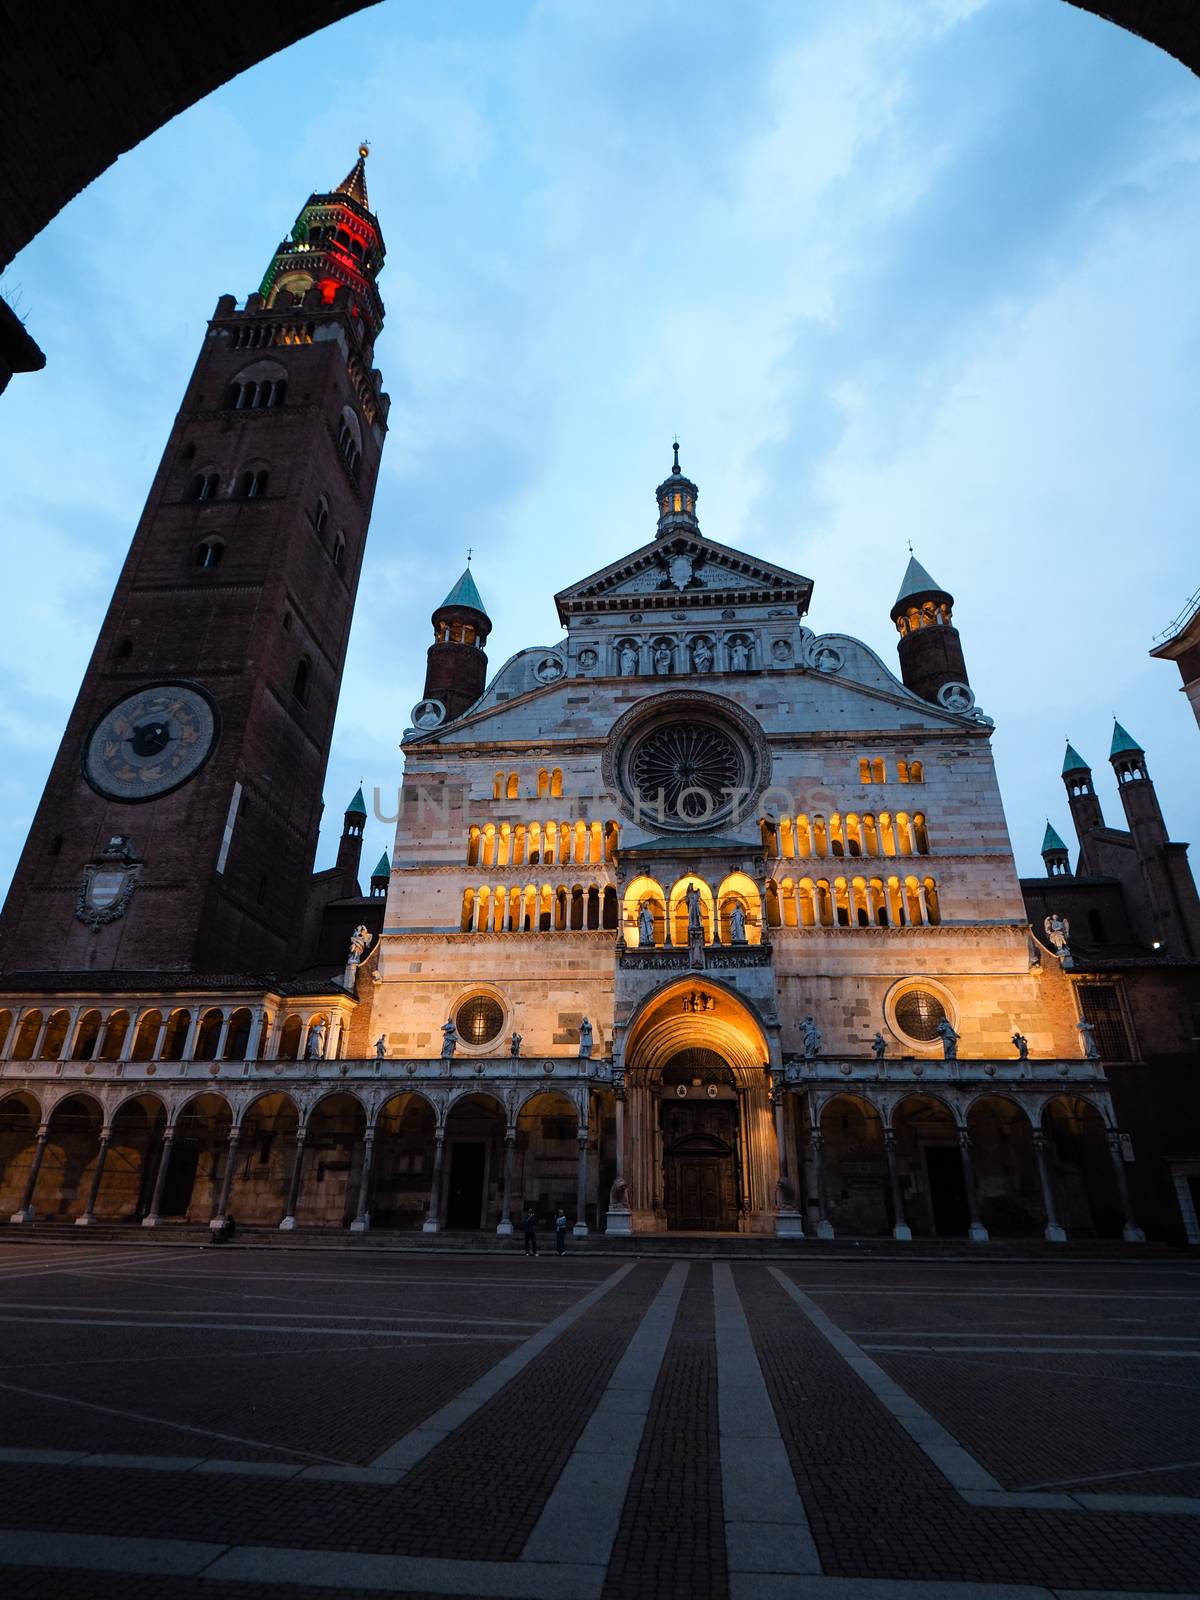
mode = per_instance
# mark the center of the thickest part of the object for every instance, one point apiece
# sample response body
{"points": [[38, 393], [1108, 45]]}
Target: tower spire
{"points": [[355, 182]]}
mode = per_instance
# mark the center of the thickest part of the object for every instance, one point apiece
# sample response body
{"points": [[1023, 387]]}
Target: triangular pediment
{"points": [[682, 567]]}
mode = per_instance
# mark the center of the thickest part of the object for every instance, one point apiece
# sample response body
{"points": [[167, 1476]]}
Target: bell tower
{"points": [[456, 665], [929, 648], [178, 827]]}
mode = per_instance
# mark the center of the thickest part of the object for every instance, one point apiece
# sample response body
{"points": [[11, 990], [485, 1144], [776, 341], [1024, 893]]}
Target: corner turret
{"points": [[1086, 814], [349, 856], [381, 877], [930, 650], [456, 666], [1055, 854]]}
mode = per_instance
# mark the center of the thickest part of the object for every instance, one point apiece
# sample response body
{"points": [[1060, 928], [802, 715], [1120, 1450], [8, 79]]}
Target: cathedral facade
{"points": [[694, 920]]}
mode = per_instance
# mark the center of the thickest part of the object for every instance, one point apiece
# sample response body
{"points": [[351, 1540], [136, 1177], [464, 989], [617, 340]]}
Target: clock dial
{"points": [[150, 742]]}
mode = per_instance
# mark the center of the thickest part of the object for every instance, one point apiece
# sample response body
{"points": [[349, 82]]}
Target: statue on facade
{"points": [[360, 943], [1087, 1034], [449, 1040], [949, 1038], [737, 923], [1058, 931], [879, 1047], [702, 656], [585, 1040], [645, 925], [628, 661], [618, 1196], [695, 921], [1021, 1045], [381, 1047], [739, 655], [811, 1035], [662, 658], [316, 1040], [514, 1045]]}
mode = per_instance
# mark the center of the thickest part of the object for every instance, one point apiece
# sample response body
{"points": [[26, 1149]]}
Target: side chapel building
{"points": [[694, 919]]}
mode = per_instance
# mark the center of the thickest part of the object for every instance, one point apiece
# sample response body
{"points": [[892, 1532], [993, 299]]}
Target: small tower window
{"points": [[339, 552], [300, 683], [56, 845], [252, 485], [321, 515], [209, 553], [124, 650], [204, 487]]}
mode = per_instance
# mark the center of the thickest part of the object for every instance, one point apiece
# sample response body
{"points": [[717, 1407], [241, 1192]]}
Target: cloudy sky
{"points": [[894, 269]]}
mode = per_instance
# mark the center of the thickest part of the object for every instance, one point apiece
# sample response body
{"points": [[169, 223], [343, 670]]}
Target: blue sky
{"points": [[894, 269]]}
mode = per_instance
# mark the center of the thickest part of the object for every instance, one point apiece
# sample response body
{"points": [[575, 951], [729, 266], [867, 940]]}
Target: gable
{"points": [[684, 566]]}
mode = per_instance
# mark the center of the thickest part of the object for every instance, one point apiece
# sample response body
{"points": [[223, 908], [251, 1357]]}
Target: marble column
{"points": [[789, 1223], [87, 1216], [504, 1227], [900, 1227], [816, 1148], [24, 1212], [156, 1053], [619, 1220], [223, 1036], [293, 1194], [976, 1230], [580, 1230], [231, 1150], [1054, 1230], [1131, 1233], [189, 1046], [362, 1217], [431, 1224], [150, 1220], [135, 1018]]}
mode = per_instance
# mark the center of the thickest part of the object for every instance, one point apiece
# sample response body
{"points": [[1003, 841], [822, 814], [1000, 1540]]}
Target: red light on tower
{"points": [[328, 288]]}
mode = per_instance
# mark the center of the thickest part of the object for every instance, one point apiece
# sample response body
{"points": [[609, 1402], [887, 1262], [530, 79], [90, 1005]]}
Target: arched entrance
{"points": [[702, 1177], [697, 1142]]}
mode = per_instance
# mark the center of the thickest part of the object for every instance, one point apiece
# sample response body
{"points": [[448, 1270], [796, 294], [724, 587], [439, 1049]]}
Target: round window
{"points": [[918, 1013], [479, 1019], [689, 769]]}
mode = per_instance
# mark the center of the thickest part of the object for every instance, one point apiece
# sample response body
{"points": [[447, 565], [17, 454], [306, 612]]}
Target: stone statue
{"points": [[695, 921], [514, 1045], [449, 1040], [949, 1038], [1058, 930], [737, 923], [645, 925], [662, 658], [360, 943], [811, 1035], [618, 1197], [628, 661], [1087, 1034], [585, 1040], [1021, 1045], [879, 1047], [702, 656], [739, 655], [316, 1040], [381, 1047], [785, 1195]]}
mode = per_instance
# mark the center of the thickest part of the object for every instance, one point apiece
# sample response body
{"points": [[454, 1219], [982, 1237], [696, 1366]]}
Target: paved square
{"points": [[227, 1422]]}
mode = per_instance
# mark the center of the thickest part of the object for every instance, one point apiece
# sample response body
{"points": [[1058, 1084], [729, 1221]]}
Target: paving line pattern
{"points": [[972, 1480]]}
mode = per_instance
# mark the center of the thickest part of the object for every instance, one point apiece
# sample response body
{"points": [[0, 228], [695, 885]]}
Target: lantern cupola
{"points": [[676, 496]]}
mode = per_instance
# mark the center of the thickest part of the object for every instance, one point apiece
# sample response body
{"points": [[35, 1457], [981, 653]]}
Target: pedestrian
{"points": [[529, 1227], [560, 1232]]}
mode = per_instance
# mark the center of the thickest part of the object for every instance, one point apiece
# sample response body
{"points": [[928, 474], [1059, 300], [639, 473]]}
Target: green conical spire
{"points": [[465, 594], [1051, 841], [1073, 761], [1123, 742], [383, 867], [916, 581], [357, 806]]}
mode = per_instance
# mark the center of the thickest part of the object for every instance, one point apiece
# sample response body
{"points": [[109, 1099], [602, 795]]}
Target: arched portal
{"points": [[698, 1148]]}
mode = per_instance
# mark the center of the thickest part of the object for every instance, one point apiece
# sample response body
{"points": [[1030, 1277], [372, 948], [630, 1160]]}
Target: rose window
{"points": [[918, 1014], [686, 770]]}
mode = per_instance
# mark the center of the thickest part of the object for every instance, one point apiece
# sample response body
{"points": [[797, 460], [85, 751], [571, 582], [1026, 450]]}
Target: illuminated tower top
{"points": [[335, 243]]}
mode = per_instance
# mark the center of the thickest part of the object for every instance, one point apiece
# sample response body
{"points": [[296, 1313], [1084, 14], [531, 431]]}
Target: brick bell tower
{"points": [[179, 823], [456, 665], [930, 650]]}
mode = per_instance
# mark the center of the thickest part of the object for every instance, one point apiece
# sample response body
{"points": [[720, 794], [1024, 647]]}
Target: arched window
{"points": [[916, 772], [772, 903], [787, 838], [919, 834], [339, 552], [903, 834], [837, 844], [804, 844], [820, 844], [252, 484], [556, 784], [543, 784], [514, 788], [878, 770], [806, 902], [204, 487], [902, 771], [300, 683], [209, 553], [864, 769], [498, 786], [321, 515], [770, 836], [473, 846], [933, 911], [912, 898], [870, 835], [349, 439]]}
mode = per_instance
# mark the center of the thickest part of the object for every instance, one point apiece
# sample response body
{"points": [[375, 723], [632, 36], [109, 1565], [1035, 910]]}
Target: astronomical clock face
{"points": [[150, 742]]}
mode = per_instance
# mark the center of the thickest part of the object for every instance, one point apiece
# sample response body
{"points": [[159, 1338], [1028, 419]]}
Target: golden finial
{"points": [[364, 149]]}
